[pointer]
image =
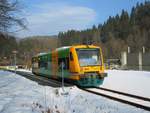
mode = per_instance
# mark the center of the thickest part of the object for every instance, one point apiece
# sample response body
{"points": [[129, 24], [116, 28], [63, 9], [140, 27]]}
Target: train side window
{"points": [[71, 56], [43, 64]]}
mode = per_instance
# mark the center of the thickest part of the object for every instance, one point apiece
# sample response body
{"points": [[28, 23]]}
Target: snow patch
{"points": [[133, 82]]}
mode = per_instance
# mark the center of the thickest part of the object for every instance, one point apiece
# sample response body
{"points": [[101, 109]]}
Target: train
{"points": [[79, 64]]}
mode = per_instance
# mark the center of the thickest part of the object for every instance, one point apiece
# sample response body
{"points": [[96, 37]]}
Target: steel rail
{"points": [[42, 80], [123, 93], [120, 99]]}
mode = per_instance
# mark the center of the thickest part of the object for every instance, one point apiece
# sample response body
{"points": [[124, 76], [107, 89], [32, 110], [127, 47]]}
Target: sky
{"points": [[49, 17]]}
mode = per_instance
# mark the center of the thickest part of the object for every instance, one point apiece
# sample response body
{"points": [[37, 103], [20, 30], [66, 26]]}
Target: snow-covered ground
{"points": [[20, 95], [134, 82]]}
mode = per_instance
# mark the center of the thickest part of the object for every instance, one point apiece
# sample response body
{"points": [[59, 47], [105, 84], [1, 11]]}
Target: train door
{"points": [[73, 61]]}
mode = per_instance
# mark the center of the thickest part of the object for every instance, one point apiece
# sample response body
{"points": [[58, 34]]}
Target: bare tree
{"points": [[9, 15]]}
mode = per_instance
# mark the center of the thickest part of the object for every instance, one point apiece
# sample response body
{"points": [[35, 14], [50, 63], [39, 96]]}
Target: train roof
{"points": [[63, 48], [66, 48]]}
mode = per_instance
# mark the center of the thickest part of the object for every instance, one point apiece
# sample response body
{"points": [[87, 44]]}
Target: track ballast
{"points": [[41, 80]]}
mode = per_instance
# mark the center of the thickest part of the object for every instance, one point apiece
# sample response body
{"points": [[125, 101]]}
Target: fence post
{"points": [[128, 49], [143, 48], [123, 58], [140, 61]]}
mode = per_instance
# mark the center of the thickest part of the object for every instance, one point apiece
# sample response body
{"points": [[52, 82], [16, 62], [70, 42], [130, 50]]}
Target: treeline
{"points": [[117, 33], [26, 48], [7, 45], [114, 36], [31, 46]]}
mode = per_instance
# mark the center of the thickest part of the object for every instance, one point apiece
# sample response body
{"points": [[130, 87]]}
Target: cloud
{"points": [[49, 19]]}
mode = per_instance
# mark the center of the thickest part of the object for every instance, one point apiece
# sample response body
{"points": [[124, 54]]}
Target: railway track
{"points": [[41, 80], [134, 100]]}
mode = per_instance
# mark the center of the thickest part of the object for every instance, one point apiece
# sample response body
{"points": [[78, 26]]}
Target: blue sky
{"points": [[49, 17]]}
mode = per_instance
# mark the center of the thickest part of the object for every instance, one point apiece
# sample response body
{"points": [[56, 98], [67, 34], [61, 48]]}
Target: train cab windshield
{"points": [[89, 57]]}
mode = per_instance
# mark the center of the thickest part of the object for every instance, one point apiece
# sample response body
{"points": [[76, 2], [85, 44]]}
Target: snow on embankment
{"points": [[134, 82], [25, 70], [20, 95]]}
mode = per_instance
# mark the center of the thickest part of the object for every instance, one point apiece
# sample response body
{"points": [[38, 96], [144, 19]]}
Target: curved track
{"points": [[41, 80], [134, 100]]}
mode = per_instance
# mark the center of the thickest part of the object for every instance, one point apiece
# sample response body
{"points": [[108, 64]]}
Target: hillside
{"points": [[116, 33], [26, 47]]}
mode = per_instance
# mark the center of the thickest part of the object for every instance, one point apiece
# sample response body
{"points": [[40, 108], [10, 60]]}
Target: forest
{"points": [[128, 29], [117, 33]]}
